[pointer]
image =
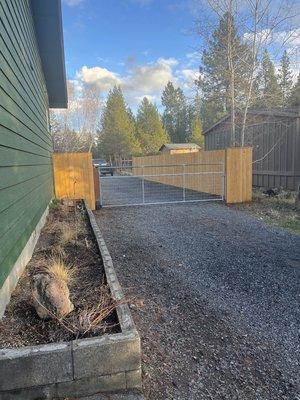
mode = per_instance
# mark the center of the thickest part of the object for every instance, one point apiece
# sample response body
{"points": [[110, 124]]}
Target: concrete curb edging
{"points": [[124, 315], [83, 367]]}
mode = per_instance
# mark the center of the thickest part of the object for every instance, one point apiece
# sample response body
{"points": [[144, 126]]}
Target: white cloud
{"points": [[151, 78], [101, 77], [143, 80], [146, 80]]}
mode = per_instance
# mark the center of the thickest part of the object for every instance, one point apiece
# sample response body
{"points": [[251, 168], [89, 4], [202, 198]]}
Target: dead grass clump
{"points": [[59, 270], [53, 226], [58, 252], [67, 234]]}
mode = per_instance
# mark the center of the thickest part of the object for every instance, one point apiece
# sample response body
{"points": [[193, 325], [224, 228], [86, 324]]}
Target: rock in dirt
{"points": [[51, 296]]}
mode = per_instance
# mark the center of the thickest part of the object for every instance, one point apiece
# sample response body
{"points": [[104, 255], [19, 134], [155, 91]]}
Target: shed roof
{"points": [[269, 113], [177, 146], [48, 27]]}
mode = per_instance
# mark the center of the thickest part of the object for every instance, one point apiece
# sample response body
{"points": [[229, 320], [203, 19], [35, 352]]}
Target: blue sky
{"points": [[140, 44]]}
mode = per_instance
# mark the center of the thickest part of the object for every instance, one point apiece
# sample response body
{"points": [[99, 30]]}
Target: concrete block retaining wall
{"points": [[78, 368]]}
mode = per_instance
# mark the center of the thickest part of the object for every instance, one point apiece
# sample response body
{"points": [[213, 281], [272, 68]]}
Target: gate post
{"points": [[238, 170]]}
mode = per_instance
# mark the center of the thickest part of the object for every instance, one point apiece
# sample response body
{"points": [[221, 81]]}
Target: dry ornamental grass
{"points": [[66, 249]]}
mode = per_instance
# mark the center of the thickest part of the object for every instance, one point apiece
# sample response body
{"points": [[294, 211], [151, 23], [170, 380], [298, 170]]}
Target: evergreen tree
{"points": [[294, 99], [150, 130], [270, 93], [216, 71], [117, 135], [175, 116], [197, 131], [194, 112], [285, 79]]}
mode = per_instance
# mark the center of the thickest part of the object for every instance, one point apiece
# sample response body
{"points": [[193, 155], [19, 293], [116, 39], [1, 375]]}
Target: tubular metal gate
{"points": [[159, 184]]}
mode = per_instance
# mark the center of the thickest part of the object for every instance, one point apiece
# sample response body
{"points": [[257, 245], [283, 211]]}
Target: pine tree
{"points": [[117, 135], [175, 116], [197, 132], [150, 130], [285, 79], [194, 112], [217, 72], [270, 93], [294, 99]]}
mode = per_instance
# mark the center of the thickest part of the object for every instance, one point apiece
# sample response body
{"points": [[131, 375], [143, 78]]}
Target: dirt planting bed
{"points": [[66, 238]]}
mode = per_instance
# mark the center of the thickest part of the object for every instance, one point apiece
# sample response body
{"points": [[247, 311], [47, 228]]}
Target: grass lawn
{"points": [[279, 210]]}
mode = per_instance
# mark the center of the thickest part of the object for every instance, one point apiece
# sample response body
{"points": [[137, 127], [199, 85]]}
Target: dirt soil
{"points": [[219, 300], [21, 325]]}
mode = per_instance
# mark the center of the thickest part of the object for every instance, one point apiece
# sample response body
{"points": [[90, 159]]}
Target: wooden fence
{"points": [[205, 171], [74, 177]]}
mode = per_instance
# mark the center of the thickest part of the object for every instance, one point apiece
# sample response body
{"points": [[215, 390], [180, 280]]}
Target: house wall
{"points": [[276, 148], [25, 141]]}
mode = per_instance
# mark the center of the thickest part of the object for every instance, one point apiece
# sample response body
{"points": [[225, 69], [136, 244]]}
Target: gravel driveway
{"points": [[219, 300]]}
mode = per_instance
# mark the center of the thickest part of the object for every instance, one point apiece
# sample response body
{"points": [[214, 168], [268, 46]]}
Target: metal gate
{"points": [[162, 184]]}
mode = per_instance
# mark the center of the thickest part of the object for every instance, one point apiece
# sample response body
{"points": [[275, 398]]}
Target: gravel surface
{"points": [[219, 300]]}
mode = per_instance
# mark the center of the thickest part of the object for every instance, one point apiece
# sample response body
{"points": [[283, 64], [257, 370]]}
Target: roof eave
{"points": [[47, 19]]}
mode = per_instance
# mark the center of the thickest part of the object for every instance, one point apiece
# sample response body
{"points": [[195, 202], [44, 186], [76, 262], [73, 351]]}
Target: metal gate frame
{"points": [[183, 174]]}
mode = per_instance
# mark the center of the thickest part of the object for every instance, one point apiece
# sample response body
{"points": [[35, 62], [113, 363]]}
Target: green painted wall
{"points": [[25, 141]]}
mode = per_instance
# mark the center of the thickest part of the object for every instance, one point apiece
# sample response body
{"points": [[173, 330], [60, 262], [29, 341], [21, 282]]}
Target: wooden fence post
{"points": [[238, 170]]}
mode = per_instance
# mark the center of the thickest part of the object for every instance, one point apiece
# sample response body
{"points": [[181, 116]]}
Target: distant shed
{"points": [[275, 138], [179, 148]]}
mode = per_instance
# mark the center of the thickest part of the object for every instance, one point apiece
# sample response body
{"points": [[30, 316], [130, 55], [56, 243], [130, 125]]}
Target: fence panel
{"points": [[74, 177], [205, 163], [237, 163]]}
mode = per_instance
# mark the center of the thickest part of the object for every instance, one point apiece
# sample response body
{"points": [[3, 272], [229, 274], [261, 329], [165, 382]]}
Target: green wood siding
{"points": [[25, 141]]}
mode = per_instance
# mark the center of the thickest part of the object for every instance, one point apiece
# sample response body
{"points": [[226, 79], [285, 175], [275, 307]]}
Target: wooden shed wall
{"points": [[276, 148], [25, 142]]}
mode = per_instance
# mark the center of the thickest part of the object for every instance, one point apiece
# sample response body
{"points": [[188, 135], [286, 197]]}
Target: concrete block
{"points": [[89, 386], [106, 355], [134, 379], [33, 393], [35, 366]]}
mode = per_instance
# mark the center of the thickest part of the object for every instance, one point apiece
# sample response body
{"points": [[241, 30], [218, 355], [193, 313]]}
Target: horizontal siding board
{"points": [[15, 96], [15, 75], [10, 157], [11, 25], [23, 9], [20, 234], [10, 56], [9, 195], [26, 178], [23, 205], [12, 108], [11, 122], [9, 138], [15, 175]]}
